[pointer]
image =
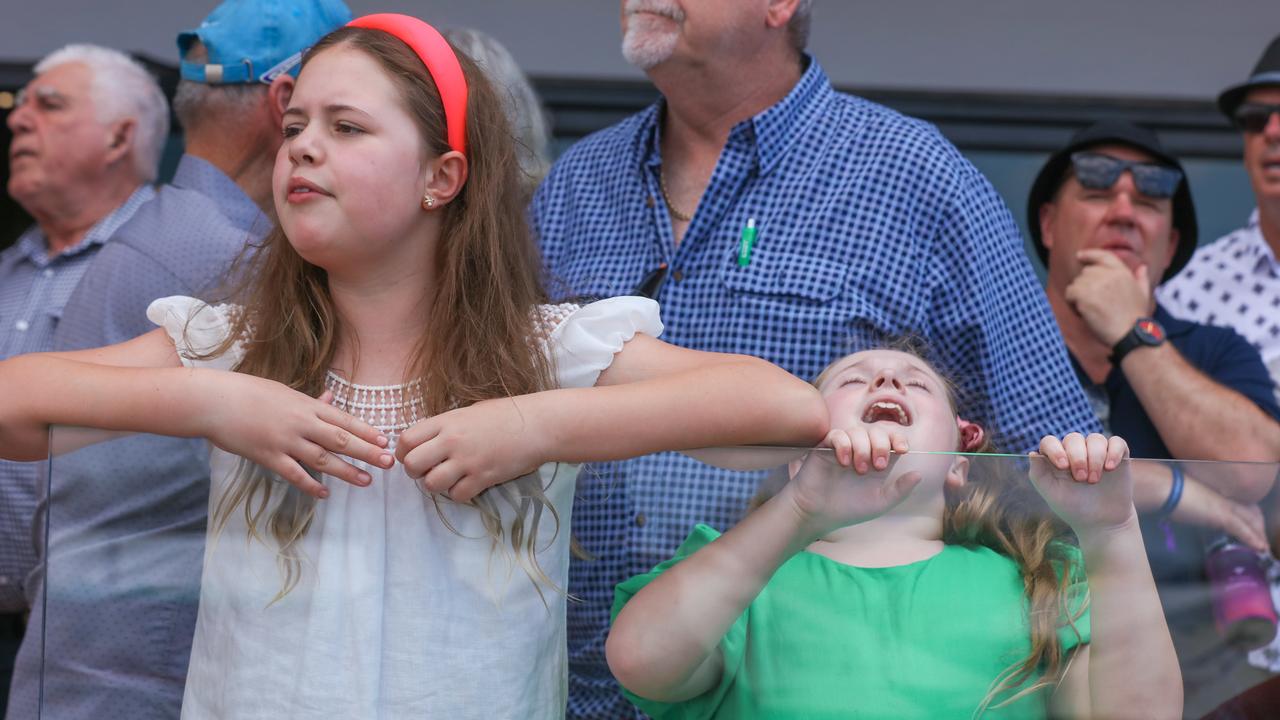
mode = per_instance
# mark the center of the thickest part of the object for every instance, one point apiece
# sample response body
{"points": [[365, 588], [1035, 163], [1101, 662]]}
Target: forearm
{"points": [[42, 390], [1133, 669], [1196, 417], [736, 402], [664, 643]]}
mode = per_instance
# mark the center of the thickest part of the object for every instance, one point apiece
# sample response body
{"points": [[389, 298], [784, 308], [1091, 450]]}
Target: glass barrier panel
{"points": [[939, 585]]}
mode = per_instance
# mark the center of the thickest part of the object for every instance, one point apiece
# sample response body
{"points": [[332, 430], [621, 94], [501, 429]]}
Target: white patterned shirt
{"points": [[1234, 282]]}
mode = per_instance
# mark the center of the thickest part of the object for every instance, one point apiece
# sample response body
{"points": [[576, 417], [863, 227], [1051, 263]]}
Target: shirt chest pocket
{"points": [[785, 278], [797, 311]]}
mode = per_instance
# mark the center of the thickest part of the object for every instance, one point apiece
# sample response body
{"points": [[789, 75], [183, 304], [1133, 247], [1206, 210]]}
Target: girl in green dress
{"points": [[929, 585]]}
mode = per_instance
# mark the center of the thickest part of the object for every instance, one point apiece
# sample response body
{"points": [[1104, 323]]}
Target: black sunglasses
{"points": [[1253, 117], [1099, 172]]}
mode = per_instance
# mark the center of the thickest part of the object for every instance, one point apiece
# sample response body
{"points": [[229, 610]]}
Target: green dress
{"points": [[828, 640]]}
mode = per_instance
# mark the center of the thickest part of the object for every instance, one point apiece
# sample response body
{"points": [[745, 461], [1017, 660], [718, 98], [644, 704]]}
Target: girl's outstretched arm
{"points": [[141, 386], [653, 397], [1129, 668]]}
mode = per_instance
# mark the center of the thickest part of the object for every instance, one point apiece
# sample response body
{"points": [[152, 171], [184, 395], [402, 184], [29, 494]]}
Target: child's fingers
{"points": [[340, 433], [1051, 448], [416, 435], [861, 452], [1077, 456], [838, 440], [899, 442], [467, 487], [442, 478], [422, 459], [879, 447], [901, 488], [321, 460], [291, 472], [1117, 451], [1095, 455]]}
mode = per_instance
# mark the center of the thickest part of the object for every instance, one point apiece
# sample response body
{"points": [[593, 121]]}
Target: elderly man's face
{"points": [[58, 143], [1262, 149], [1135, 227]]}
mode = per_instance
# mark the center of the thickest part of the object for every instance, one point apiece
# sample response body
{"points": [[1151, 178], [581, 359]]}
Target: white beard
{"points": [[650, 40]]}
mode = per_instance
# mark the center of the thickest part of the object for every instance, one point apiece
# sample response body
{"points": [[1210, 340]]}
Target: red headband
{"points": [[436, 53]]}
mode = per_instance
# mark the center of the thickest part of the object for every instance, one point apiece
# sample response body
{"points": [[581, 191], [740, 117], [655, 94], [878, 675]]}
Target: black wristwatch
{"points": [[1146, 332]]}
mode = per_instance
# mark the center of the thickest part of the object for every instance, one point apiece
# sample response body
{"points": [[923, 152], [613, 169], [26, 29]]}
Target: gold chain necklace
{"points": [[671, 208]]}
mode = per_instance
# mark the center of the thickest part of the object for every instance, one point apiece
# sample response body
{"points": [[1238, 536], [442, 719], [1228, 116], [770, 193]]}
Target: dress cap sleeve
{"points": [[583, 344], [196, 329]]}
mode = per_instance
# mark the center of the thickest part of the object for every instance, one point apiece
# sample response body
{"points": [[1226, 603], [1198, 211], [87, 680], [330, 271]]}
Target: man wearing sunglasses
{"points": [[1111, 216], [1236, 280]]}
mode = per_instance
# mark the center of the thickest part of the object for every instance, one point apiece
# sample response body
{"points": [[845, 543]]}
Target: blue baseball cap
{"points": [[259, 40]]}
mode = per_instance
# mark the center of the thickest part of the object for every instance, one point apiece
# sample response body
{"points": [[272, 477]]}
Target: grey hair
{"points": [[798, 27], [195, 103], [519, 100], [122, 88]]}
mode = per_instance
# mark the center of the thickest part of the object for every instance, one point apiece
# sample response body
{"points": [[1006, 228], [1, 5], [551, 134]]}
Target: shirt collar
{"points": [[198, 174], [35, 247], [770, 133]]}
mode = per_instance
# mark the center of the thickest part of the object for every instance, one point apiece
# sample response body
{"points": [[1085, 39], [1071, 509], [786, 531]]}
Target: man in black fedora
{"points": [[1111, 216], [1235, 281]]}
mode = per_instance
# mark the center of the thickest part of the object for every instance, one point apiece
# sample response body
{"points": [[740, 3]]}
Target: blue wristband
{"points": [[1175, 491]]}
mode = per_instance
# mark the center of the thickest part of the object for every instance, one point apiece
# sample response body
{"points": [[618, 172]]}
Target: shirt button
{"points": [[677, 275], [21, 325], [641, 520], [48, 272], [4, 579], [649, 202]]}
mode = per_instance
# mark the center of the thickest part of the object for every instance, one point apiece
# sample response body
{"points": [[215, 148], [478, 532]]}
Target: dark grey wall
{"points": [[1160, 48]]}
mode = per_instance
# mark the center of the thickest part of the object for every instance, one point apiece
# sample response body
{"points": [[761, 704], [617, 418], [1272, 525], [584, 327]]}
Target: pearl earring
{"points": [[428, 202]]}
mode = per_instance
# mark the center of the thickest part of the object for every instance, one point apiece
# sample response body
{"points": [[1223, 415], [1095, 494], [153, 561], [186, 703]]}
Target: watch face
{"points": [[1149, 331]]}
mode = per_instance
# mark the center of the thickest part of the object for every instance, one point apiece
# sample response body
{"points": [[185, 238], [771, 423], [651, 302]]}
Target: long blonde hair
{"points": [[999, 509], [482, 338]]}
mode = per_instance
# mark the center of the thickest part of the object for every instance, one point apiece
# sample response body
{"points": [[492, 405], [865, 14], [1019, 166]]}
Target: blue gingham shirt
{"points": [[33, 291], [127, 517], [870, 224]]}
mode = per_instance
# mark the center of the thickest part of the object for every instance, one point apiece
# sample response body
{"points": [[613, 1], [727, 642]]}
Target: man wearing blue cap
{"points": [[126, 524]]}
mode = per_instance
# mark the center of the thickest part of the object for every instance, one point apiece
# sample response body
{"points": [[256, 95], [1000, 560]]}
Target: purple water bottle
{"points": [[1242, 606]]}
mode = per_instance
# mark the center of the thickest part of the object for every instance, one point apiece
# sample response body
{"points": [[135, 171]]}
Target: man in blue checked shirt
{"points": [[773, 216], [87, 135]]}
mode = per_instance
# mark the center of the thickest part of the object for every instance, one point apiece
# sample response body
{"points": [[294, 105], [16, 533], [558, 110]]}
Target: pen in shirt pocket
{"points": [[748, 242]]}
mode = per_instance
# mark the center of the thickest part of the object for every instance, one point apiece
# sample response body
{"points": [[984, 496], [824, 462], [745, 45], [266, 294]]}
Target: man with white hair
{"points": [[128, 516], [773, 216], [88, 131]]}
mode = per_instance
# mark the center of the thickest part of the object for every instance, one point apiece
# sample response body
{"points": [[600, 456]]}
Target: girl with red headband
{"points": [[392, 405]]}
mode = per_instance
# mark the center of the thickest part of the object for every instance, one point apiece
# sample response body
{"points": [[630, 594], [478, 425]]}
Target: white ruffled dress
{"points": [[396, 615]]}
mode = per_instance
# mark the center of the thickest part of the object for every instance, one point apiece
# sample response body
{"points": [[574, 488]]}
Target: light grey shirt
{"points": [[126, 519]]}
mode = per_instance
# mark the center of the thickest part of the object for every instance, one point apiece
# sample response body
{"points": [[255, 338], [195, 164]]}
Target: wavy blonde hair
{"points": [[1002, 511], [482, 339]]}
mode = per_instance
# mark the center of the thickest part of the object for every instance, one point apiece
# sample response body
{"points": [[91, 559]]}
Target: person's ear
{"points": [[972, 436], [780, 12], [120, 139], [1047, 211], [444, 179], [958, 473], [1174, 238], [279, 93]]}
